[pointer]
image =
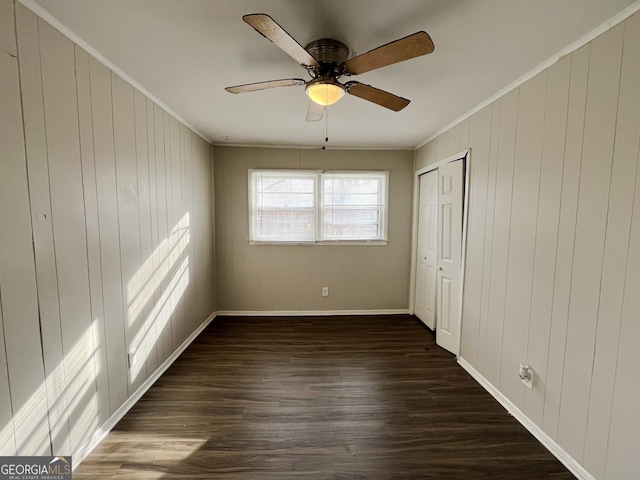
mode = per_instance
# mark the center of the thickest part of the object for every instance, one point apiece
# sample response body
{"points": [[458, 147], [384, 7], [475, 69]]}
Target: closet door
{"points": [[448, 291], [425, 303]]}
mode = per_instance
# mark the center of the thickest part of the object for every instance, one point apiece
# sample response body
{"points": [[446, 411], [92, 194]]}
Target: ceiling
{"points": [[184, 52]]}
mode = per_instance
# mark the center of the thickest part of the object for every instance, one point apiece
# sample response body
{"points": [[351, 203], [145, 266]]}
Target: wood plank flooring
{"points": [[366, 397]]}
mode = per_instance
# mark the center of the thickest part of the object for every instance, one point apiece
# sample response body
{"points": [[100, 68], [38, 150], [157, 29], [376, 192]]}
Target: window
{"points": [[303, 206], [282, 206]]}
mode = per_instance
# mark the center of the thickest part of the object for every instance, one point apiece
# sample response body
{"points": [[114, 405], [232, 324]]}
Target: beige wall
{"points": [[254, 278], [105, 238], [553, 266], [107, 242]]}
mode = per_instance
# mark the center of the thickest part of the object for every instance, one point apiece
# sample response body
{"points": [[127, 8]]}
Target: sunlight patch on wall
{"points": [[159, 317], [69, 392], [144, 283], [7, 439], [81, 388], [31, 425]]}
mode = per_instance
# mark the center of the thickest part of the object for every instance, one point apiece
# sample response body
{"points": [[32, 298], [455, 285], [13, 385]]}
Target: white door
{"points": [[449, 288], [425, 303]]}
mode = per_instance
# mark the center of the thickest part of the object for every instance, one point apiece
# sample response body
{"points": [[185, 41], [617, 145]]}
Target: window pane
{"points": [[285, 225], [284, 184], [353, 206], [360, 185], [339, 190], [277, 200], [282, 191], [362, 224], [283, 205]]}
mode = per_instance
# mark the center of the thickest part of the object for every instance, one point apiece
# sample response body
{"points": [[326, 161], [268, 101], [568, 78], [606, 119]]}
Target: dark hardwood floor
{"points": [[366, 397]]}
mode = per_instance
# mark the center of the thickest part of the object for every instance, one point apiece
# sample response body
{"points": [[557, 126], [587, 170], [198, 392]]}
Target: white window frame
{"points": [[253, 209], [319, 208]]}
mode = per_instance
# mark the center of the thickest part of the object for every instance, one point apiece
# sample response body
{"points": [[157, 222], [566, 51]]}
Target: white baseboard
{"points": [[551, 445], [309, 313], [103, 431]]}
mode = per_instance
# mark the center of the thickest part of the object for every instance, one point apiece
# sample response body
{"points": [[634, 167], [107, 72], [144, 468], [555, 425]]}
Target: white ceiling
{"points": [[184, 52]]}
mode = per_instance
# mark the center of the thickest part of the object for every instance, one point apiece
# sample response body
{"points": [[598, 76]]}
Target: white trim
{"points": [[440, 163], [75, 38], [465, 231], [560, 453], [309, 313], [99, 435], [596, 32], [311, 147], [414, 240], [322, 243], [463, 155]]}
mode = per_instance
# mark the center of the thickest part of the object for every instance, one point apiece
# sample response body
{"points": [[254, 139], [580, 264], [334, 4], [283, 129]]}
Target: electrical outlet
{"points": [[325, 291], [132, 357], [526, 375]]}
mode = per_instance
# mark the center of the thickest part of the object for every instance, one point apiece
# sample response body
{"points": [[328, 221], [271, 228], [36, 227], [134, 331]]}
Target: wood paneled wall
{"points": [[106, 238], [290, 277], [553, 255]]}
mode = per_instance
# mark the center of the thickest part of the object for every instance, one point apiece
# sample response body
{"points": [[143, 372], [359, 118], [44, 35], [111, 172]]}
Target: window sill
{"points": [[325, 242]]}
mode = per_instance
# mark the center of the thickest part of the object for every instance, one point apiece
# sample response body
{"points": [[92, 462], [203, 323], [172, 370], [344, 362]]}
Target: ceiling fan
{"points": [[326, 60]]}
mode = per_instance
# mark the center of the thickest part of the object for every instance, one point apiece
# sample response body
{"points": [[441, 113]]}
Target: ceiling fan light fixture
{"points": [[325, 92]]}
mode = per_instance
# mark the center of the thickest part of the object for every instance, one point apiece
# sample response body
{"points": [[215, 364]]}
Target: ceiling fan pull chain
{"points": [[326, 125]]}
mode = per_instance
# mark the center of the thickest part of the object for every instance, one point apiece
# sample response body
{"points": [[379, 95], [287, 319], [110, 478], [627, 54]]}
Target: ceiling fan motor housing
{"points": [[329, 53]]}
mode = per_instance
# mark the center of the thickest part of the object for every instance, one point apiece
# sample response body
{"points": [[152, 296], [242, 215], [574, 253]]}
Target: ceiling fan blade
{"points": [[404, 49], [268, 28], [375, 95], [315, 112], [252, 87]]}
